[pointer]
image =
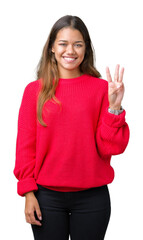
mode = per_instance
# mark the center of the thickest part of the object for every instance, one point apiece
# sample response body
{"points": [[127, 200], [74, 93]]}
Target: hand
{"points": [[116, 88], [31, 206]]}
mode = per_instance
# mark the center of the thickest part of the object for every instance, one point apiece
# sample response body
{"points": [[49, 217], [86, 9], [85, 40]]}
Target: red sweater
{"points": [[74, 151]]}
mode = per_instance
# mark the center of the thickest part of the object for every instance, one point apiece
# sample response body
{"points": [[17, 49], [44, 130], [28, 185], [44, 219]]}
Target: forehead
{"points": [[69, 34]]}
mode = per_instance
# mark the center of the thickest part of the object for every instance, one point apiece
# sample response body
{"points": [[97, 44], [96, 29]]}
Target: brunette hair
{"points": [[47, 67]]}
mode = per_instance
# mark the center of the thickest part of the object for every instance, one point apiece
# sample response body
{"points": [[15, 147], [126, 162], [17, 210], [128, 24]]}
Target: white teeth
{"points": [[69, 59]]}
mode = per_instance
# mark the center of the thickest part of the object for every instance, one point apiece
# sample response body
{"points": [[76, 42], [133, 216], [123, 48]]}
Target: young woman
{"points": [[70, 123]]}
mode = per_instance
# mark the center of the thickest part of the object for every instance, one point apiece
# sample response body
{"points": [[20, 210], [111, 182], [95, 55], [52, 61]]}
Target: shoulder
{"points": [[32, 88], [30, 93], [33, 85]]}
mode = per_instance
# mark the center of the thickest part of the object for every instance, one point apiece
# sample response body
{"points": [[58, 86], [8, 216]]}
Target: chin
{"points": [[71, 67]]}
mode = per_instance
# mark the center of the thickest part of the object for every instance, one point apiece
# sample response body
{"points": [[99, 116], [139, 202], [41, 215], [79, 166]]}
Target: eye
{"points": [[78, 45], [62, 44]]}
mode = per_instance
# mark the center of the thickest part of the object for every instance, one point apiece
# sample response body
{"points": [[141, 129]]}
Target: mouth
{"points": [[69, 59]]}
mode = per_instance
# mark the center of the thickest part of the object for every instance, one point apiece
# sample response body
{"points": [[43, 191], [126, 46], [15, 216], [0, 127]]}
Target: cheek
{"points": [[82, 54], [58, 53]]}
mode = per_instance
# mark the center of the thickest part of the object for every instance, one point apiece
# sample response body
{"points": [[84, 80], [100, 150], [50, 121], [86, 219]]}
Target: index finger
{"points": [[108, 74]]}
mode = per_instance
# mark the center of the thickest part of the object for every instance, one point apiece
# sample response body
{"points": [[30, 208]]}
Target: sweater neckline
{"points": [[72, 80]]}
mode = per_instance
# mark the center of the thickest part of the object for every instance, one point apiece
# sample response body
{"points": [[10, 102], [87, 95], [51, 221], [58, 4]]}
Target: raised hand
{"points": [[115, 88]]}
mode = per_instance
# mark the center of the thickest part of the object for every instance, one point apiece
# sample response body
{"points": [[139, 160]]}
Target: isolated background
{"points": [[116, 31]]}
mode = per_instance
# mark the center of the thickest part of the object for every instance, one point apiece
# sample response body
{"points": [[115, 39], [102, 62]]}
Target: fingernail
{"points": [[40, 218]]}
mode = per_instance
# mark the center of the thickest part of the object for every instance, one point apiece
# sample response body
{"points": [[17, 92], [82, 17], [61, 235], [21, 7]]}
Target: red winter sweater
{"points": [[74, 151]]}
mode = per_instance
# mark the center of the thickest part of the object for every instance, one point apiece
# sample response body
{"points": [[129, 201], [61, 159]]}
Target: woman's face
{"points": [[69, 50]]}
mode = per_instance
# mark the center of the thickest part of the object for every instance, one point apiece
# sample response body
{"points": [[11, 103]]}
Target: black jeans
{"points": [[82, 215]]}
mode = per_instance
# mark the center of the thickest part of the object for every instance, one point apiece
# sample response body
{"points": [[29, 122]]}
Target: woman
{"points": [[70, 123]]}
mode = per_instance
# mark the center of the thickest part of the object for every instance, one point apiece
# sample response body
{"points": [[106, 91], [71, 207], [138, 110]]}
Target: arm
{"points": [[112, 133], [26, 142]]}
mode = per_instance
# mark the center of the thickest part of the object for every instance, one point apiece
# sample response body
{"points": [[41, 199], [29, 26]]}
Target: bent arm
{"points": [[112, 135]]}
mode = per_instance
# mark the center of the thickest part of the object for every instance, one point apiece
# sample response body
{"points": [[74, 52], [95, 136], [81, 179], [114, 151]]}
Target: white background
{"points": [[115, 28]]}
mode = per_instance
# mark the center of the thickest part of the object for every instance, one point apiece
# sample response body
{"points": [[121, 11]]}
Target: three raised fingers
{"points": [[117, 77]]}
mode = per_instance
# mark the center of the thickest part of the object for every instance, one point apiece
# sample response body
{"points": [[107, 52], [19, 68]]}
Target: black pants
{"points": [[82, 215]]}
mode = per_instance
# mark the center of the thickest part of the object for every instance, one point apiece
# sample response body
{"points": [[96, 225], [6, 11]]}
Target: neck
{"points": [[70, 74]]}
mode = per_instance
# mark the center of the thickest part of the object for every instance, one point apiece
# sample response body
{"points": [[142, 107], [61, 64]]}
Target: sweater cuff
{"points": [[26, 185], [113, 120]]}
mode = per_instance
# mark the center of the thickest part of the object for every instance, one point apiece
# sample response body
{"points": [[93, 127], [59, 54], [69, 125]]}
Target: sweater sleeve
{"points": [[112, 134], [26, 142]]}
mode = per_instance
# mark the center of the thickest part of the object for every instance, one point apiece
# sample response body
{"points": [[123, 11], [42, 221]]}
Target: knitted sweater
{"points": [[73, 152]]}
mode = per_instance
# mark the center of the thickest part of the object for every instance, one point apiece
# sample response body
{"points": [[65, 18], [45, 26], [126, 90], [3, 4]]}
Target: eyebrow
{"points": [[67, 41]]}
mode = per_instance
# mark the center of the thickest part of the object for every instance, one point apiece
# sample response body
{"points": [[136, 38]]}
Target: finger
{"points": [[108, 74], [121, 75], [27, 219], [32, 219], [38, 212], [116, 75]]}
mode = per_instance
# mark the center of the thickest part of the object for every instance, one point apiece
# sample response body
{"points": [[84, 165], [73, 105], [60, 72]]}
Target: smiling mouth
{"points": [[69, 59]]}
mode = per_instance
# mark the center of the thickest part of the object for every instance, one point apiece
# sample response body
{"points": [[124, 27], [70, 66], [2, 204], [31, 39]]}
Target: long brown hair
{"points": [[47, 67]]}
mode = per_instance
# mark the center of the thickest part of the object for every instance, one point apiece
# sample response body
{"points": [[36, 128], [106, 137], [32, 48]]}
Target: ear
{"points": [[53, 51]]}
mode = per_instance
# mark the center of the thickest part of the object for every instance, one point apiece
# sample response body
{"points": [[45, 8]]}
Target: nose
{"points": [[70, 49]]}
